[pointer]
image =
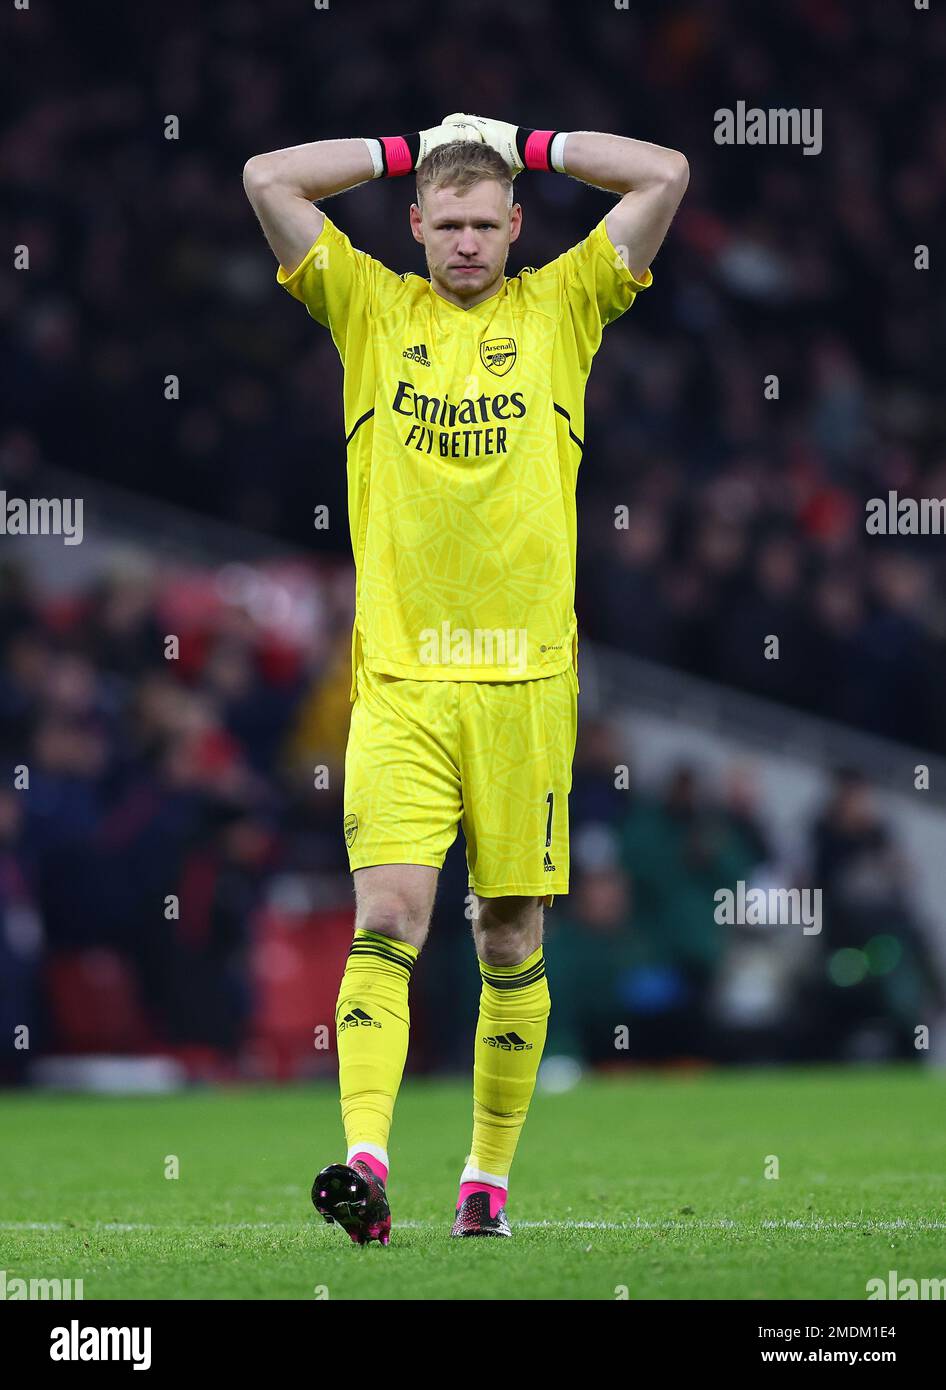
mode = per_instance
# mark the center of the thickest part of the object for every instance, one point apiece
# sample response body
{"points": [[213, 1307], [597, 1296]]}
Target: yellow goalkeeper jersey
{"points": [[464, 434]]}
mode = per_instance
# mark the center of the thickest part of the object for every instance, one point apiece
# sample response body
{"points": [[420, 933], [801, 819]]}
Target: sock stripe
{"points": [[369, 949], [515, 981], [496, 975], [510, 970], [385, 946], [404, 947], [377, 943]]}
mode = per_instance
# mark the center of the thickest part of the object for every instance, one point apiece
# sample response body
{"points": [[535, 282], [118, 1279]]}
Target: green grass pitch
{"points": [[650, 1183]]}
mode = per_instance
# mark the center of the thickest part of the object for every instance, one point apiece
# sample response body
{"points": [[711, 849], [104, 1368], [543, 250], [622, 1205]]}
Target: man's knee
{"points": [[390, 915], [507, 912], [507, 930], [396, 904]]}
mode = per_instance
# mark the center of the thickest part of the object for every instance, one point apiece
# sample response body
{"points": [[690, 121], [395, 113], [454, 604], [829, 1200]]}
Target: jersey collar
{"points": [[455, 308]]}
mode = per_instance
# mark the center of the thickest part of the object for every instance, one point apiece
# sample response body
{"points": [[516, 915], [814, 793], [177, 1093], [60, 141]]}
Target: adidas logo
{"points": [[508, 1042], [357, 1019], [417, 353], [548, 865]]}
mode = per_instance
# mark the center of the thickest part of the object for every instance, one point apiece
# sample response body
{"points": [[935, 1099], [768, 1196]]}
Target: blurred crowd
{"points": [[157, 809], [642, 949], [151, 780], [150, 793], [747, 513]]}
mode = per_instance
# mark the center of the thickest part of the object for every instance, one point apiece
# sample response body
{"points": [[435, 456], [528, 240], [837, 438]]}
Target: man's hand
{"points": [[456, 127], [498, 134]]}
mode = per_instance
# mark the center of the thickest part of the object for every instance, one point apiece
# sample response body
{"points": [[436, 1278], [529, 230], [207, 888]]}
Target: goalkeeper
{"points": [[464, 421]]}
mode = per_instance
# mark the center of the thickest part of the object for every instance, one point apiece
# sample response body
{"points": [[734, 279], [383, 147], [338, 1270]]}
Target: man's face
{"points": [[466, 238]]}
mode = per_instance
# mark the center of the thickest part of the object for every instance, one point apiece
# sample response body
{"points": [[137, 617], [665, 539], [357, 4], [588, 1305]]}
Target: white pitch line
{"points": [[31, 1225], [704, 1224], [727, 1225]]}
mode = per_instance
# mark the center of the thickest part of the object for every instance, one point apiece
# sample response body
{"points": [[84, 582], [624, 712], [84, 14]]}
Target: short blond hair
{"points": [[460, 165]]}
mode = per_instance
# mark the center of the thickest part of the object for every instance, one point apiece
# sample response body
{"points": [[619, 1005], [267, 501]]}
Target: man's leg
{"points": [[393, 907], [402, 805], [510, 1036], [517, 742], [372, 1016]]}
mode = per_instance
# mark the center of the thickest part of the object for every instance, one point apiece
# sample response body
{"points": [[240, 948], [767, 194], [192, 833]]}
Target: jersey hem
{"points": [[624, 270], [485, 675], [371, 861], [520, 890], [286, 278]]}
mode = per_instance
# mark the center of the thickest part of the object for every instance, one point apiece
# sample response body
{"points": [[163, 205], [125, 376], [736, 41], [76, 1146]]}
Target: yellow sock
{"points": [[510, 1036], [372, 1021]]}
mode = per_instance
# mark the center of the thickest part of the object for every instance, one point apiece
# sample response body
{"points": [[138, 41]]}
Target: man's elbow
{"points": [[667, 179], [263, 174], [678, 171], [256, 175], [673, 182]]}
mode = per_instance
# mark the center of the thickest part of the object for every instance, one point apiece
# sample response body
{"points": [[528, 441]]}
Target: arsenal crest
{"points": [[498, 354]]}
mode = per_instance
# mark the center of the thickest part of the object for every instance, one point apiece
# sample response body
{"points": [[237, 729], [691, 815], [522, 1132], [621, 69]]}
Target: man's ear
{"points": [[515, 221], [416, 230]]}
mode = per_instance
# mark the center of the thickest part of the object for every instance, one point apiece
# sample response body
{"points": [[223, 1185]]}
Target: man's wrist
{"points": [[541, 149], [557, 152], [377, 158], [392, 156]]}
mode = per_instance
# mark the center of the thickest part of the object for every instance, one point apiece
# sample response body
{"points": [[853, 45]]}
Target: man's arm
{"points": [[283, 186], [652, 179]]}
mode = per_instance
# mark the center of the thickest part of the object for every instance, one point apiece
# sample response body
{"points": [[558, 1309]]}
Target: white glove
{"points": [[501, 135], [453, 128]]}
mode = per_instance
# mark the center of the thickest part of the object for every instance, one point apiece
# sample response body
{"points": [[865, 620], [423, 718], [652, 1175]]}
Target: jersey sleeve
{"points": [[338, 284], [594, 287]]}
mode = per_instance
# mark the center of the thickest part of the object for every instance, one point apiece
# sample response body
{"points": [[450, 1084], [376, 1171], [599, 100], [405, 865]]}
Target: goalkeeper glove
{"points": [[520, 146], [393, 155], [456, 127]]}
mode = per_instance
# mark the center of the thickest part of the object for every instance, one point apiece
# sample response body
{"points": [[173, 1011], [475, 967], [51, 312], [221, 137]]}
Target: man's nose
{"points": [[468, 245]]}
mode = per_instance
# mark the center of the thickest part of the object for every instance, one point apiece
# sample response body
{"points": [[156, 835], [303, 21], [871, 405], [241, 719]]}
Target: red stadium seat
{"points": [[94, 1003], [298, 961]]}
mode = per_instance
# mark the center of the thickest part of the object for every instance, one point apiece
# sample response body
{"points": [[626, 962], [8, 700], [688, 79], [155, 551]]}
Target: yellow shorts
{"points": [[424, 756]]}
